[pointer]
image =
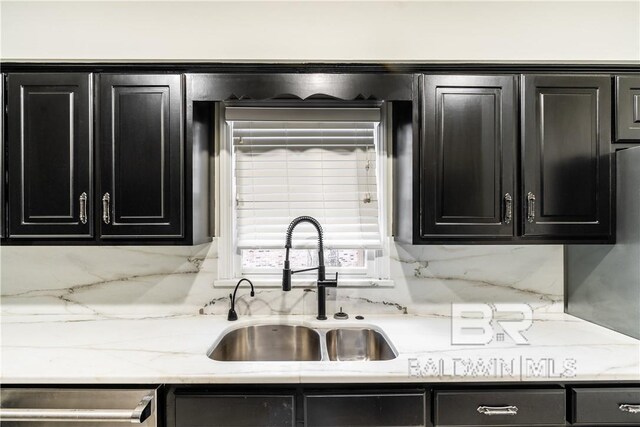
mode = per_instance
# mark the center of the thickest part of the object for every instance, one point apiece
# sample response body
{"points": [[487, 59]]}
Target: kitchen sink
{"points": [[268, 343], [295, 343], [358, 344]]}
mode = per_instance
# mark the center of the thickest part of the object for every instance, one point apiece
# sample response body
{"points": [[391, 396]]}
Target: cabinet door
{"points": [[141, 156], [500, 407], [601, 406], [379, 410], [628, 108], [566, 137], [234, 410], [49, 155], [468, 156]]}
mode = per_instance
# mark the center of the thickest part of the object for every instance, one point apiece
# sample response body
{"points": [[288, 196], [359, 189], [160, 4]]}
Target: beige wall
{"points": [[335, 31]]}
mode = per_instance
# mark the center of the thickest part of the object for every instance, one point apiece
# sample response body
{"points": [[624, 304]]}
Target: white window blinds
{"points": [[320, 162]]}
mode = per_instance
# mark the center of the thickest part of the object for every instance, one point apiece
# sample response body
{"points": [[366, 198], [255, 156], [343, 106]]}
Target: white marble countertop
{"points": [[59, 349]]}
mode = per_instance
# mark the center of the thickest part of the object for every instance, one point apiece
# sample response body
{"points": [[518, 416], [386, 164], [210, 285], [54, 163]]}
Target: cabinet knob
{"points": [[531, 207], [508, 208], [498, 410], [83, 208], [106, 215]]}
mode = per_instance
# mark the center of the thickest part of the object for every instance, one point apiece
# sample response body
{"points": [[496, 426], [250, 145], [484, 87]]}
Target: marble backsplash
{"points": [[173, 281]]}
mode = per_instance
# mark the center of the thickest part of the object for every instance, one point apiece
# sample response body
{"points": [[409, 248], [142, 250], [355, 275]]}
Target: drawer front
{"points": [[599, 406], [235, 411], [500, 408], [374, 410]]}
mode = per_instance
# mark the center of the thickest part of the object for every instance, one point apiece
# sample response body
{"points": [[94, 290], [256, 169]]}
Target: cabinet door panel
{"points": [[567, 160], [602, 406], [50, 155], [380, 410], [468, 156], [141, 156], [628, 108], [545, 407], [235, 410]]}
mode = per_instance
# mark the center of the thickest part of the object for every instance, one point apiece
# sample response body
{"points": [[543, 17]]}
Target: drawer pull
{"points": [[531, 207], [498, 410], [508, 208], [628, 407], [83, 208], [138, 415]]}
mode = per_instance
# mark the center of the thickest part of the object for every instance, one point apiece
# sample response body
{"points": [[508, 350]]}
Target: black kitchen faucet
{"points": [[323, 283]]}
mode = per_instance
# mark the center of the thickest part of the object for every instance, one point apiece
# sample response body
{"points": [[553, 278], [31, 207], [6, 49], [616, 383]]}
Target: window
{"points": [[328, 163]]}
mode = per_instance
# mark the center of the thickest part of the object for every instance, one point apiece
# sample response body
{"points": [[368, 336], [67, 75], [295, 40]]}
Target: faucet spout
{"points": [[286, 271], [232, 311]]}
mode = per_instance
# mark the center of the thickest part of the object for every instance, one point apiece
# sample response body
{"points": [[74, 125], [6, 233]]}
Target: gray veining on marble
{"points": [[161, 281], [90, 349]]}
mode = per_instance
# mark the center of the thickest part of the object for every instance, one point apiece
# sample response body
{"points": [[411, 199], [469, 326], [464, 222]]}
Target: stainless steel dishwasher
{"points": [[81, 407]]}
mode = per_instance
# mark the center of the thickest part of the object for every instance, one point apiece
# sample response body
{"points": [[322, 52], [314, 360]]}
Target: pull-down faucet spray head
{"points": [[286, 274]]}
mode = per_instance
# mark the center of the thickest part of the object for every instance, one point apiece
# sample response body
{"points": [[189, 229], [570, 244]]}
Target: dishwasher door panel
{"points": [[77, 407]]}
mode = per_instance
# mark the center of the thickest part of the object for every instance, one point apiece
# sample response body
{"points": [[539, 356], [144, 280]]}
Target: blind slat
{"points": [[312, 115]]}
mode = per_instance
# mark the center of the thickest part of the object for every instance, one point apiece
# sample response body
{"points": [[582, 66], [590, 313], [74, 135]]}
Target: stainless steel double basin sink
{"points": [[297, 343]]}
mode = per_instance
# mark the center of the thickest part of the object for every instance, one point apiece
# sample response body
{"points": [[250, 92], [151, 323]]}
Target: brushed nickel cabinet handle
{"points": [[106, 215], [508, 208], [629, 407], [531, 207], [137, 415], [498, 410], [83, 208]]}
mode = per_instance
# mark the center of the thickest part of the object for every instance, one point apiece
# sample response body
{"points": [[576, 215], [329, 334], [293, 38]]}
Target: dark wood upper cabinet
{"points": [[477, 158], [462, 176], [628, 109], [49, 155], [141, 156], [567, 161], [468, 156]]}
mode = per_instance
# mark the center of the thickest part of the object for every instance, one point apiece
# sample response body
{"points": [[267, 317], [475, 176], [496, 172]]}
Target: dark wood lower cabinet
{"points": [[371, 405], [365, 409], [380, 405], [500, 407], [595, 406], [235, 410], [258, 406]]}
